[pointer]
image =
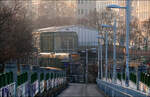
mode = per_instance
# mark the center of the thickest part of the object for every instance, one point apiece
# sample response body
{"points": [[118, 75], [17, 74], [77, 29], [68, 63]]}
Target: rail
{"points": [[112, 92], [32, 81]]}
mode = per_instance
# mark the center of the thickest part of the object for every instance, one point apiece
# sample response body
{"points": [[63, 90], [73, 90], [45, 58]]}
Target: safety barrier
{"points": [[114, 90], [32, 81], [110, 91]]}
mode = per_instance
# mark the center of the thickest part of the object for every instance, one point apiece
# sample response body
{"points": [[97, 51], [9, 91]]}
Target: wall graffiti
{"points": [[23, 90], [35, 88], [8, 91]]}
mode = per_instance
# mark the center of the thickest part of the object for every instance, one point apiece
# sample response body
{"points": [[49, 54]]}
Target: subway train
{"points": [[31, 81]]}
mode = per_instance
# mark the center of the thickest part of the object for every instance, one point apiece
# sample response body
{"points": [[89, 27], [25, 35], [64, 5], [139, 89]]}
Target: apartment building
{"points": [[84, 7]]}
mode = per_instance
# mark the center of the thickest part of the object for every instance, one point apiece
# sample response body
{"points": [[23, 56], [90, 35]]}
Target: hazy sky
{"points": [[141, 8]]}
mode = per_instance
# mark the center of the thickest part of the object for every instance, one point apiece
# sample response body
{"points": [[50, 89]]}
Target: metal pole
{"points": [[114, 53], [98, 59], [70, 61], [127, 40], [86, 66], [38, 58], [101, 60], [138, 77], [106, 60]]}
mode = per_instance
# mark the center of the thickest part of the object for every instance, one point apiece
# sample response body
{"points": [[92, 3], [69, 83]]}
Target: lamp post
{"points": [[114, 49], [127, 7], [114, 52], [86, 66], [101, 59], [106, 49], [98, 62], [100, 55]]}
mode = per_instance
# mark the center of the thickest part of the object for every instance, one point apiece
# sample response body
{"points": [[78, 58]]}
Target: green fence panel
{"points": [[34, 77], [41, 76], [6, 79], [22, 78], [47, 76]]}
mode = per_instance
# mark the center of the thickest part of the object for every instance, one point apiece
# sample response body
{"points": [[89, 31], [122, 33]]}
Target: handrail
{"points": [[125, 94], [127, 90]]}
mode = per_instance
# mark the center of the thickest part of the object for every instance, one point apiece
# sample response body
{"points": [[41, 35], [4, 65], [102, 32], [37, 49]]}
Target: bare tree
{"points": [[15, 33], [55, 13], [135, 32], [146, 27], [95, 19]]}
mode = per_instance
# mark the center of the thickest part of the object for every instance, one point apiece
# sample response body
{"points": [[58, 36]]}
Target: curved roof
{"points": [[86, 36]]}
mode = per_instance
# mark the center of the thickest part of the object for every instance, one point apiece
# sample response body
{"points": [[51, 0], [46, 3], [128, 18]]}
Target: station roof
{"points": [[87, 36], [67, 28]]}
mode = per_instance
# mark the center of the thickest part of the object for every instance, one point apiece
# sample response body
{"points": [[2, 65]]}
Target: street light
{"points": [[100, 37], [114, 48], [106, 26], [127, 35], [114, 52], [86, 66], [115, 6], [106, 49]]}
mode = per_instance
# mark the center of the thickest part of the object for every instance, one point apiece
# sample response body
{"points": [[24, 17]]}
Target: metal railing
{"points": [[111, 91], [133, 92], [31, 81]]}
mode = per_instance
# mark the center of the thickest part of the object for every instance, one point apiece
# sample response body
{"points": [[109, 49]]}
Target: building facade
{"points": [[84, 7], [58, 42], [66, 38]]}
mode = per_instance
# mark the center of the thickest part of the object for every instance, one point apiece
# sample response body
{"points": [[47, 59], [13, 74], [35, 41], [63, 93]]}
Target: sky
{"points": [[141, 8]]}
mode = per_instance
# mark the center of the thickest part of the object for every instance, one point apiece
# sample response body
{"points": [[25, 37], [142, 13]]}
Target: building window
{"points": [[79, 12], [68, 44], [82, 11], [86, 11], [81, 1], [78, 1], [46, 43]]}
